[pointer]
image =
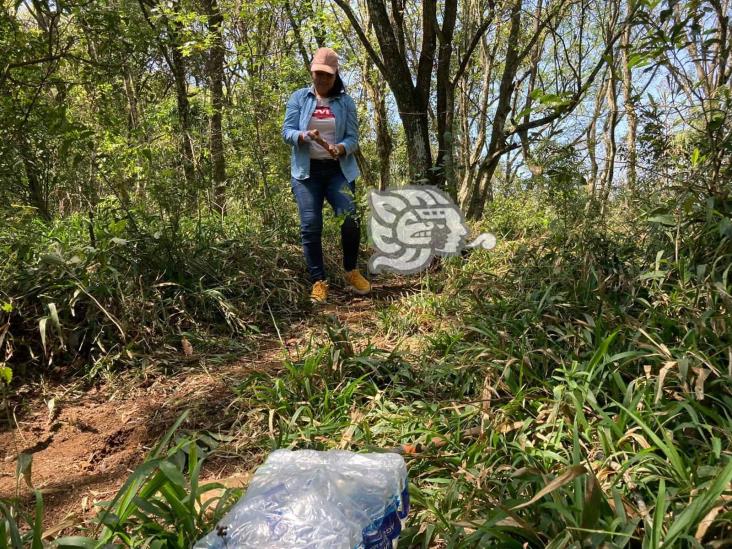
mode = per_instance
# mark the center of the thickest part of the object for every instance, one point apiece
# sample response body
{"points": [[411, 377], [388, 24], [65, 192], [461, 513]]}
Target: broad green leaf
{"points": [[665, 219], [695, 157], [56, 322], [37, 542], [42, 328], [173, 474], [75, 542]]}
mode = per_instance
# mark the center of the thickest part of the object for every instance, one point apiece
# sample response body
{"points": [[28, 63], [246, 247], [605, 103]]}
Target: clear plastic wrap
{"points": [[319, 500]]}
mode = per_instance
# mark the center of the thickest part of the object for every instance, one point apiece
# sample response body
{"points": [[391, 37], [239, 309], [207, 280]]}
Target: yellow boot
{"points": [[357, 283], [319, 293]]}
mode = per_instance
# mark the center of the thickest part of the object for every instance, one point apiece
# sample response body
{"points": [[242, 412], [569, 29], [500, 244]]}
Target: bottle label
{"points": [[381, 533]]}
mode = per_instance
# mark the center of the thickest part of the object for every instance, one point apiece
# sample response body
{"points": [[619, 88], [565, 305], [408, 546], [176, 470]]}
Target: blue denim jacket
{"points": [[300, 108]]}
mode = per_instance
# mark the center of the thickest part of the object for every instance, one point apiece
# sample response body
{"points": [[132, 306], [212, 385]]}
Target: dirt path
{"points": [[86, 444]]}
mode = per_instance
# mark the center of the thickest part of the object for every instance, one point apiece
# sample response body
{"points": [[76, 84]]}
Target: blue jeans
{"points": [[326, 182]]}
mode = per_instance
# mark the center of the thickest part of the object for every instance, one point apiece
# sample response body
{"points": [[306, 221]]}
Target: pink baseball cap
{"points": [[325, 59]]}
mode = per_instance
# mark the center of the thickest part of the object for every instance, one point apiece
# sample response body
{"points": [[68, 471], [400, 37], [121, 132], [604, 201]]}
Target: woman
{"points": [[321, 126]]}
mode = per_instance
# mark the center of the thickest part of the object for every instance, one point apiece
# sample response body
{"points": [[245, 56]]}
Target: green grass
{"points": [[141, 285], [599, 386], [569, 390]]}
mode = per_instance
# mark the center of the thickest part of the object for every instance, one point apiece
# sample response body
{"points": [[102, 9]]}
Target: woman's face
{"points": [[323, 81]]}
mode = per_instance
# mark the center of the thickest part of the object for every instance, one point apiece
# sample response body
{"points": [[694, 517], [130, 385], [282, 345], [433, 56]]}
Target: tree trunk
{"points": [[483, 190], [630, 113], [181, 96], [373, 84], [178, 68], [534, 167], [472, 150], [445, 101], [176, 62], [419, 155], [132, 103], [412, 95], [592, 141], [610, 143], [363, 166], [216, 81], [298, 36], [412, 98]]}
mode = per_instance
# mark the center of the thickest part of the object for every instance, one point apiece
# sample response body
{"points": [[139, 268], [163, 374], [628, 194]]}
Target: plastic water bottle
{"points": [[318, 500]]}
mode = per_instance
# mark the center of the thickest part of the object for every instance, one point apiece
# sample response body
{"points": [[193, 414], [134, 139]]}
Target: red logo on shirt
{"points": [[322, 112]]}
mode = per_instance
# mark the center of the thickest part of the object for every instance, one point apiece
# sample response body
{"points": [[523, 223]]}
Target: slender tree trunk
{"points": [[610, 142], [298, 36], [133, 115], [630, 113], [592, 184], [534, 167], [176, 62], [36, 195], [473, 150], [445, 100], [448, 144], [495, 148], [181, 96], [374, 86], [216, 81]]}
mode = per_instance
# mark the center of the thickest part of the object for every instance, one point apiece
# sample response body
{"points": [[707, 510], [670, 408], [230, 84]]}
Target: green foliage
{"points": [[570, 388], [602, 417], [140, 283]]}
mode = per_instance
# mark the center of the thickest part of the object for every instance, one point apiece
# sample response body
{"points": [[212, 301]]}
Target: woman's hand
{"points": [[337, 151], [310, 135]]}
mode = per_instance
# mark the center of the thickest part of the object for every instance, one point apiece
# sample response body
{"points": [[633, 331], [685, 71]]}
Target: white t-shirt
{"points": [[324, 121]]}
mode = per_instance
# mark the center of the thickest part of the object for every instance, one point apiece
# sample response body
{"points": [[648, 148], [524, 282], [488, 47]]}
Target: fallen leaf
{"points": [[661, 377], [187, 347], [23, 467], [702, 374], [568, 476], [707, 521]]}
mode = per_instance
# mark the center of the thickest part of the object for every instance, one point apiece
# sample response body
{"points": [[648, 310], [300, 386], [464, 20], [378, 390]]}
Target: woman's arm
{"points": [[291, 127], [350, 137]]}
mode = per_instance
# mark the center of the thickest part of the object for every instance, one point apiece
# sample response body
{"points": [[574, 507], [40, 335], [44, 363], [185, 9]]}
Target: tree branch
{"points": [[568, 108], [473, 44], [361, 35], [35, 61], [163, 50]]}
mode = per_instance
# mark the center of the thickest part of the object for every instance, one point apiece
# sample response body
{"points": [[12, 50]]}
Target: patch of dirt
{"points": [[85, 444], [86, 447]]}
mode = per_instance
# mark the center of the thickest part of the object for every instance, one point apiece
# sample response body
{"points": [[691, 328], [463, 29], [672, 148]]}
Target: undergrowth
{"points": [[84, 302], [571, 389]]}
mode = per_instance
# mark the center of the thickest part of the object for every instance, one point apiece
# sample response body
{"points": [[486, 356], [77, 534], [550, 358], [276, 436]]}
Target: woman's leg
{"points": [[309, 196], [341, 195], [350, 238]]}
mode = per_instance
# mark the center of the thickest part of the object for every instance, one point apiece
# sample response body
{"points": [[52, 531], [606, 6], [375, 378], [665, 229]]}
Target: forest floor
{"points": [[86, 441]]}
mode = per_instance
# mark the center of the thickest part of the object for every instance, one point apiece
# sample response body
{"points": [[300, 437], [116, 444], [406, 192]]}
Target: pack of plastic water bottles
{"points": [[319, 500]]}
